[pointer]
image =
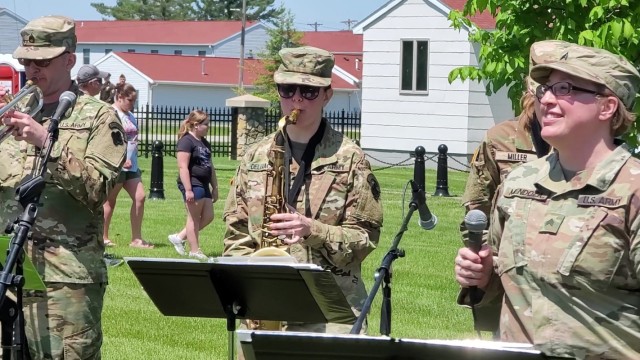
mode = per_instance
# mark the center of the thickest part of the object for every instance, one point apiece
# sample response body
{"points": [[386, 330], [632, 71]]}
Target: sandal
{"points": [[141, 244], [109, 243]]}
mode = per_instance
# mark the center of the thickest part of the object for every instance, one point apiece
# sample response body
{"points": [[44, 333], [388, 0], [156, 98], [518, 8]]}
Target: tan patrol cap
{"points": [[46, 37], [542, 52], [305, 65], [595, 65]]}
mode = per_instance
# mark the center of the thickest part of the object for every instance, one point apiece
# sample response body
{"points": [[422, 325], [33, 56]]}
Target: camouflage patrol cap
{"points": [[304, 65], [47, 37], [542, 52], [596, 65]]}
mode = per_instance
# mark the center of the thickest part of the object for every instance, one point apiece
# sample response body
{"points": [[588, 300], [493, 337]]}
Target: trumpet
{"points": [[12, 101]]}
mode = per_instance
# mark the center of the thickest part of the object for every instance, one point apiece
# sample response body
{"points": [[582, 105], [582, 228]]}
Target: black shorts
{"points": [[199, 192], [128, 175]]}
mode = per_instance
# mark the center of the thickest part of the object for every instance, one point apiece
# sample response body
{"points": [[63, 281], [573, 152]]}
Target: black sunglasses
{"points": [[561, 88], [43, 63], [287, 91]]}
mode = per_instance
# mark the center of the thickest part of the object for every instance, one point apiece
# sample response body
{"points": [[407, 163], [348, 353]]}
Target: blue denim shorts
{"points": [[199, 192]]}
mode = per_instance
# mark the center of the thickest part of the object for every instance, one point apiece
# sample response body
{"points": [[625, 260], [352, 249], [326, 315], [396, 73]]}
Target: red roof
{"points": [[217, 70], [483, 20], [351, 64], [156, 31], [335, 41]]}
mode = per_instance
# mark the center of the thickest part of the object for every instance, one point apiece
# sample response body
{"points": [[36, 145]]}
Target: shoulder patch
{"points": [[116, 133], [375, 187]]}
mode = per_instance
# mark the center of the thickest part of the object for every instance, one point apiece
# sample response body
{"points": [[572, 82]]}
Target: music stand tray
{"points": [[278, 345], [258, 291]]}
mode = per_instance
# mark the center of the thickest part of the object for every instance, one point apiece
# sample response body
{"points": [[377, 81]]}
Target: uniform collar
{"points": [[599, 177]]}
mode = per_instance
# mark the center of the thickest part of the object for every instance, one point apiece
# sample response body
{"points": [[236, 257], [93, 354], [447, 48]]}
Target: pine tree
{"points": [[257, 10], [146, 10]]}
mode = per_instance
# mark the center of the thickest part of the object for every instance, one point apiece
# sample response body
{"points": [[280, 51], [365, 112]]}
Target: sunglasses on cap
{"points": [[43, 63], [287, 91]]}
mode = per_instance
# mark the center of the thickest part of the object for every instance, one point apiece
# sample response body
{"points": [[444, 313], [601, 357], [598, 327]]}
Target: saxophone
{"points": [[274, 203]]}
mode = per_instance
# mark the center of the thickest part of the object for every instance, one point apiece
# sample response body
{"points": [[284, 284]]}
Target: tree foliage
{"points": [[261, 10], [283, 35], [504, 52], [146, 10]]}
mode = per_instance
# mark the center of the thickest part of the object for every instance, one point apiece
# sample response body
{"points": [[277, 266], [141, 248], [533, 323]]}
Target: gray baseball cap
{"points": [[90, 72]]}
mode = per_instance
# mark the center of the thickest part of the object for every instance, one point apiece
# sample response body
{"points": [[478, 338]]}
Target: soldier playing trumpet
{"points": [[66, 245]]}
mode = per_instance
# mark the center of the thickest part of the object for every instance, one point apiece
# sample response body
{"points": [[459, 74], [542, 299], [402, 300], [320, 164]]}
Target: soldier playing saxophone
{"points": [[327, 180]]}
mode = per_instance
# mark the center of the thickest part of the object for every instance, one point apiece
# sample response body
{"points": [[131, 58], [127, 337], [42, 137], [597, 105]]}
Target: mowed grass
{"points": [[423, 285]]}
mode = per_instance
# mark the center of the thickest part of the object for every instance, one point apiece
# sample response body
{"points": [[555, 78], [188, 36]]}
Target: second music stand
{"points": [[234, 288]]}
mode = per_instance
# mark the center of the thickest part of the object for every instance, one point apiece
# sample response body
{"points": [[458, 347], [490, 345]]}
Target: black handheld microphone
{"points": [[476, 222], [427, 220], [66, 101]]}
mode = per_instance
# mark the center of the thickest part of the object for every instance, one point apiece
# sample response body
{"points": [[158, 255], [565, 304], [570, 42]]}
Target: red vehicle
{"points": [[12, 74]]}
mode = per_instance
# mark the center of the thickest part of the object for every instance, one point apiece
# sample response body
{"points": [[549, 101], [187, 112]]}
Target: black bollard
{"points": [[157, 172], [442, 181]]}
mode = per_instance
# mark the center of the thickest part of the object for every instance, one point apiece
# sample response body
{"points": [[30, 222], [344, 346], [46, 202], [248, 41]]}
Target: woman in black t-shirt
{"points": [[196, 180]]}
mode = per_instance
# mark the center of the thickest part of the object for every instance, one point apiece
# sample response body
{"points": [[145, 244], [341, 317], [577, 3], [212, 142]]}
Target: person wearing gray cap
{"points": [[564, 235], [90, 78]]}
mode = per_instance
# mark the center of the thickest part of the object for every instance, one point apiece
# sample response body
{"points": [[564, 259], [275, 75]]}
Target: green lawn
{"points": [[424, 288]]}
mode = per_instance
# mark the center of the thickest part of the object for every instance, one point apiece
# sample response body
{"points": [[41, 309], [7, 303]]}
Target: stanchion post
{"points": [[442, 181], [157, 172]]}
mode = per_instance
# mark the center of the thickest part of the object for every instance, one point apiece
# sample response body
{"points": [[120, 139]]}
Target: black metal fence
{"points": [[162, 123]]}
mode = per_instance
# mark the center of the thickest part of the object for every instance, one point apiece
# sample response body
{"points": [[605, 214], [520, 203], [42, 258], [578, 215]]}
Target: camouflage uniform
{"points": [[565, 252], [344, 199], [505, 146], [66, 244], [108, 92], [566, 258]]}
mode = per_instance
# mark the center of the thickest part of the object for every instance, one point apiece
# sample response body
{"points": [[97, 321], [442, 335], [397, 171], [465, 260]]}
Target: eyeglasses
{"points": [[43, 63], [98, 80], [287, 91], [561, 88]]}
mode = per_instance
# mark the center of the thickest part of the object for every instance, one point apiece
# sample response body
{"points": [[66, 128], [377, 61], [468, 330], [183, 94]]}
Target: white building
{"points": [[409, 49]]}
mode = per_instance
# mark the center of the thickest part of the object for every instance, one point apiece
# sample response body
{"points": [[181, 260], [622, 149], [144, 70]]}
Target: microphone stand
{"points": [[14, 344], [383, 273]]}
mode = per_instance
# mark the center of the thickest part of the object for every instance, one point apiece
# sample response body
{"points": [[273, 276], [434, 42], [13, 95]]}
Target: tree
{"points": [[147, 9], [263, 10], [504, 52], [283, 35]]}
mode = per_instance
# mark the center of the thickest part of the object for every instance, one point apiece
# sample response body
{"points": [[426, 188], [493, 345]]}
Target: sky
{"points": [[330, 16]]}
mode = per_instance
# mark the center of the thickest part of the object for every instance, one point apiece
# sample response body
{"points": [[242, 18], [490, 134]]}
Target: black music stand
{"points": [[235, 288], [274, 345]]}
